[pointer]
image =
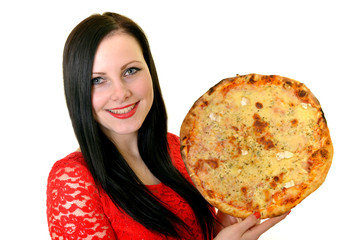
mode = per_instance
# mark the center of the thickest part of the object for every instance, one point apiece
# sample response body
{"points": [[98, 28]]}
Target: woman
{"points": [[128, 180]]}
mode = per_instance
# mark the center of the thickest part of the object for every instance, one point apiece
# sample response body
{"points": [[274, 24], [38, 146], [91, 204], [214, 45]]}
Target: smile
{"points": [[124, 112]]}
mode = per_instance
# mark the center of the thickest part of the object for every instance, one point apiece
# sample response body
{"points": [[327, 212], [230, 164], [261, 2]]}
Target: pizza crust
{"points": [[256, 143]]}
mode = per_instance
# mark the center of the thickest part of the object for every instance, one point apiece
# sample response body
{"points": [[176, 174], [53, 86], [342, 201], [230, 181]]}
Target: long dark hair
{"points": [[105, 162]]}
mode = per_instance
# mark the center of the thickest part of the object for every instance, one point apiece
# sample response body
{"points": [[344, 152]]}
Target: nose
{"points": [[120, 91]]}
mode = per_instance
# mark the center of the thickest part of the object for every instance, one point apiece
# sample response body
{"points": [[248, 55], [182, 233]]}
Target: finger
{"points": [[232, 220], [249, 222], [258, 230], [223, 220], [226, 219]]}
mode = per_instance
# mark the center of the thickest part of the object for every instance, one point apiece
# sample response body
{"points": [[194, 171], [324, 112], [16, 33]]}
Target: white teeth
{"points": [[123, 110]]}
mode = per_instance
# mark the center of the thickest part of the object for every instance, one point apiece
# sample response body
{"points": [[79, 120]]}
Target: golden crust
{"points": [[280, 199]]}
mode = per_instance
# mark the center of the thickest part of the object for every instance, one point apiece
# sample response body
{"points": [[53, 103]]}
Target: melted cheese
{"points": [[272, 157]]}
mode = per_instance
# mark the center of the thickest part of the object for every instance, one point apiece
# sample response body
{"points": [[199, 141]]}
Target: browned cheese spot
{"points": [[294, 122], [268, 143], [234, 128], [200, 165], [273, 184], [267, 195], [259, 125], [204, 104], [259, 105]]}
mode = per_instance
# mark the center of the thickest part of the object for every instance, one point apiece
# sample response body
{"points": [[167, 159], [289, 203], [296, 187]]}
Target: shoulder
{"points": [[72, 158], [73, 165], [70, 173]]}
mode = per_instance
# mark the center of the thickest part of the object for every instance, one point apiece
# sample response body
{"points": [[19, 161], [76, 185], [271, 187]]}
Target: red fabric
{"points": [[78, 209]]}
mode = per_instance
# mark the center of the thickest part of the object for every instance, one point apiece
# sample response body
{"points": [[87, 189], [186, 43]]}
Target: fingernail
{"points": [[257, 215]]}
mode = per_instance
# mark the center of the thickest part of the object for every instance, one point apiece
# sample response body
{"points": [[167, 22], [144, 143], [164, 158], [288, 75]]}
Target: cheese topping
{"points": [[289, 184], [282, 155], [244, 101], [214, 117], [267, 136]]}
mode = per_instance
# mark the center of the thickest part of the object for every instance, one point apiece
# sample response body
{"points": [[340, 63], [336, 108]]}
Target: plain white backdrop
{"points": [[195, 44]]}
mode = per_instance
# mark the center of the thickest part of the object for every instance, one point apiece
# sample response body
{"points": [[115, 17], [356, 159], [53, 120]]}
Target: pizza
{"points": [[256, 143]]}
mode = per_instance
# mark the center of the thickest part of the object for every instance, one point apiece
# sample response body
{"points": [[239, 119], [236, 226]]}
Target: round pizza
{"points": [[256, 143]]}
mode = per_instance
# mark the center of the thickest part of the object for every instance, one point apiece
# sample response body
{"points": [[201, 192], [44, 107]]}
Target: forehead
{"points": [[117, 48], [118, 39]]}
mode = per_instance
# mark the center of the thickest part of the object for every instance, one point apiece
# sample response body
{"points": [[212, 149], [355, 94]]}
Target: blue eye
{"points": [[97, 80], [131, 71]]}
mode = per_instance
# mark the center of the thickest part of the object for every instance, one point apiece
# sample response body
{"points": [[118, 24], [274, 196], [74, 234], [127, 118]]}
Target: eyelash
{"points": [[96, 79], [132, 68]]}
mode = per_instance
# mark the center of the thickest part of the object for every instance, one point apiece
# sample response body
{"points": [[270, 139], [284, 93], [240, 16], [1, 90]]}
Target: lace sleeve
{"points": [[74, 210]]}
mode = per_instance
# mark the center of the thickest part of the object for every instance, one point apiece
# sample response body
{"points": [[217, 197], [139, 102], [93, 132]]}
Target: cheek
{"points": [[145, 89], [94, 102], [98, 100]]}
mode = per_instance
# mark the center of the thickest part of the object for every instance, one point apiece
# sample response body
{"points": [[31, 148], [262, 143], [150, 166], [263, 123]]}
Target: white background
{"points": [[195, 44]]}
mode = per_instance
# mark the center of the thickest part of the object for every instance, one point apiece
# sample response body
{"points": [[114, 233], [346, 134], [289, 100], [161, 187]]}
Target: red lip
{"points": [[123, 106], [125, 115]]}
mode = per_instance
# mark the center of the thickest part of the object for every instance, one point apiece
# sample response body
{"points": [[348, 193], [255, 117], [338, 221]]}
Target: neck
{"points": [[127, 145]]}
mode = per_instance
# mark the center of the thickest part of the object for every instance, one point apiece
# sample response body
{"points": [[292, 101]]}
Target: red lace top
{"points": [[78, 209]]}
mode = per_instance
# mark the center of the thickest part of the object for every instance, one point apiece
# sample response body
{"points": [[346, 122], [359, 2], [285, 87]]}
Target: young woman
{"points": [[127, 180]]}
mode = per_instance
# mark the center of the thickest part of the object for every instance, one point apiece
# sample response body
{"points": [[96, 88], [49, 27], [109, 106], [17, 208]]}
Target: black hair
{"points": [[105, 162]]}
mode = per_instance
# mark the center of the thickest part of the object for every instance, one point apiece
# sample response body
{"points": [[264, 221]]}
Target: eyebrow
{"points": [[98, 73], [122, 68], [125, 66]]}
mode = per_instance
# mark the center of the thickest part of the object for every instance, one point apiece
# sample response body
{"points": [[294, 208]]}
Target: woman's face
{"points": [[122, 91]]}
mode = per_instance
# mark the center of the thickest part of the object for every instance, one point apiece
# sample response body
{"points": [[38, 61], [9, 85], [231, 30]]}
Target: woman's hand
{"points": [[250, 228]]}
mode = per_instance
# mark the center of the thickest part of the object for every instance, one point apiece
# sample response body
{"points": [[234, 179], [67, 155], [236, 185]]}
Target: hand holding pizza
{"points": [[229, 227]]}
